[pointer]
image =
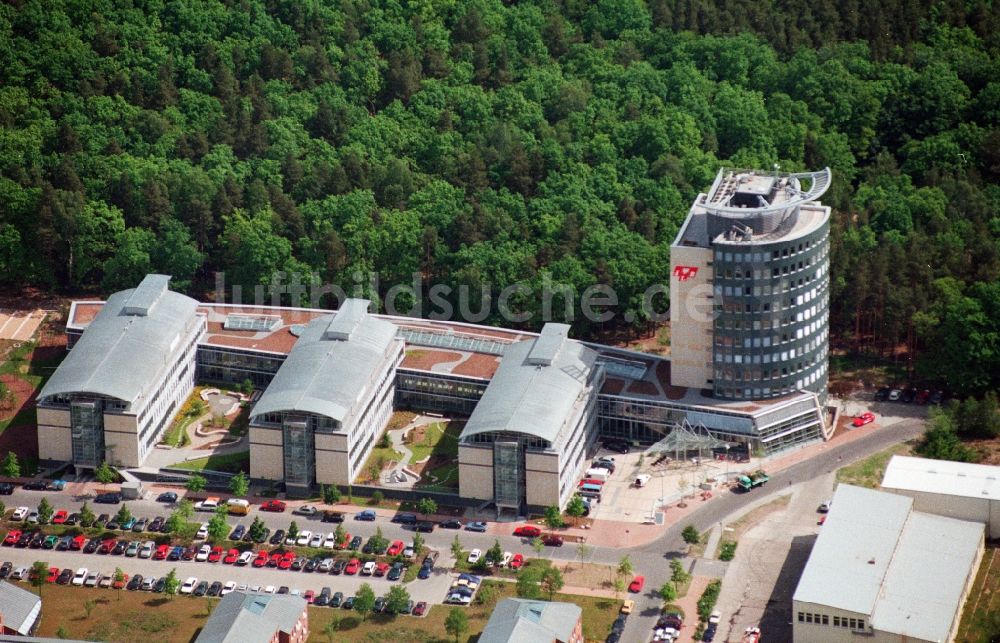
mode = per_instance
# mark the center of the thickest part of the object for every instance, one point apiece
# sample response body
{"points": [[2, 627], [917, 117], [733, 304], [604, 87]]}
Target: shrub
{"points": [[707, 601], [728, 550]]}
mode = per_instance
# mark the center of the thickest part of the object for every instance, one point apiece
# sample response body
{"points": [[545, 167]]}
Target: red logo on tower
{"points": [[683, 273]]}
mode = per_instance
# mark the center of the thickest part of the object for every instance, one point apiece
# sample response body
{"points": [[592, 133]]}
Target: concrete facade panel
{"points": [[266, 462], [691, 317], [55, 442], [53, 417]]}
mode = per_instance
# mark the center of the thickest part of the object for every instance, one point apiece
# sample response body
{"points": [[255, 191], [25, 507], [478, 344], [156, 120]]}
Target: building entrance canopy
{"points": [[685, 438]]}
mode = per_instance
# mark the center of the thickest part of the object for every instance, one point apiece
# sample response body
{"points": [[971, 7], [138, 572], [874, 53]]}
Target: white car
{"points": [[507, 556], [409, 552], [306, 510], [368, 569], [254, 588], [33, 518], [459, 599], [147, 550], [208, 504], [93, 578], [474, 556], [245, 558], [20, 513], [304, 537], [295, 591], [325, 566], [270, 589], [242, 587], [21, 573], [228, 587], [330, 541], [716, 617], [203, 553], [189, 585], [202, 532], [80, 576], [316, 540]]}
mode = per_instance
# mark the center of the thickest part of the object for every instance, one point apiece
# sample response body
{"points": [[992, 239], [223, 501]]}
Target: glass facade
{"points": [[771, 323], [298, 452], [234, 365], [508, 474], [87, 428], [433, 392]]}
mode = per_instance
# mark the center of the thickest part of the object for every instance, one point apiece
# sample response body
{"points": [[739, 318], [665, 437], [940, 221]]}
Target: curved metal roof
{"points": [[332, 364], [123, 352], [535, 387]]}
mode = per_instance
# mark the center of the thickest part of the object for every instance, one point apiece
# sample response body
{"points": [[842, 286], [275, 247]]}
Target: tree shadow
{"points": [[157, 602]]}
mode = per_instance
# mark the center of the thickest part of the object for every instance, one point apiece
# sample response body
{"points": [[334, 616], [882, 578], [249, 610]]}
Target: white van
{"points": [[598, 473], [642, 479]]}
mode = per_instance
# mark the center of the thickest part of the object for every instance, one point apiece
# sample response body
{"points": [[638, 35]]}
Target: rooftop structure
{"points": [[127, 345], [331, 364], [957, 489], [536, 386], [242, 617], [516, 619], [19, 609], [880, 566]]}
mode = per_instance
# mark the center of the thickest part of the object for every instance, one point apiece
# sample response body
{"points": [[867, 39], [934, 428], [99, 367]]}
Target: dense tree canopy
{"points": [[482, 142]]}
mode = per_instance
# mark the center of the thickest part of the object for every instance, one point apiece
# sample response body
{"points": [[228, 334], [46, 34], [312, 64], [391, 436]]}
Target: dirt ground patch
{"points": [[576, 574], [989, 450], [23, 395], [752, 519]]}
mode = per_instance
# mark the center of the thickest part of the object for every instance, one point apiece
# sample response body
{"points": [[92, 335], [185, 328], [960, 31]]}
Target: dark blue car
{"points": [[367, 515]]}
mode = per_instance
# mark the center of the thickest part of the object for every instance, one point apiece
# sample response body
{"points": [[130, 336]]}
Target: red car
{"points": [[12, 537], [261, 559], [636, 585], [381, 569], [352, 566], [863, 419], [345, 542], [517, 561], [276, 506], [286, 560], [420, 608], [108, 544], [310, 596], [215, 554], [59, 517], [553, 541], [527, 531], [275, 558], [161, 552], [395, 549], [53, 575], [231, 556], [599, 483], [78, 543]]}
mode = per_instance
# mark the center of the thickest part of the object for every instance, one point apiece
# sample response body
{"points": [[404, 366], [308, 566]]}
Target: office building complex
{"points": [[749, 294], [118, 390], [515, 620], [528, 438], [247, 617], [318, 419]]}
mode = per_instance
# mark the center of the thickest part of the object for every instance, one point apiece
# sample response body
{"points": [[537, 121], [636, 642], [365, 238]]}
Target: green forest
{"points": [[482, 142]]}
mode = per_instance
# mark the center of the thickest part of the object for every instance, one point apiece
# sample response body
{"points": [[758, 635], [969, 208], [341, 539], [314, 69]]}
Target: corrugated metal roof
{"points": [[326, 375], [906, 569], [922, 590], [242, 617], [516, 619], [122, 354], [943, 477], [531, 398], [20, 608]]}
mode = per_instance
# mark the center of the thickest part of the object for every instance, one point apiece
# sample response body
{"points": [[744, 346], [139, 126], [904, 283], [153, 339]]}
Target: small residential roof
{"points": [[535, 387], [128, 344], [331, 365], [942, 476], [19, 607], [242, 617], [876, 556], [516, 619]]}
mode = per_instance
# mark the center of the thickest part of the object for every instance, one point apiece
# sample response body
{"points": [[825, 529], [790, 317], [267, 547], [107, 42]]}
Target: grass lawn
{"points": [[440, 442], [153, 618], [981, 616], [869, 472], [228, 462]]}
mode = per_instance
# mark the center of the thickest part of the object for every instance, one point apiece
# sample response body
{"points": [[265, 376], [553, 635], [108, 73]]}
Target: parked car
{"points": [[338, 566], [133, 549], [355, 543], [517, 562], [216, 554], [147, 549], [203, 553], [261, 559], [214, 589], [306, 510], [895, 394], [352, 567], [618, 446], [882, 394], [450, 524], [20, 513], [396, 571], [419, 609], [80, 577], [337, 599], [202, 532], [316, 540], [553, 540], [134, 583], [637, 584], [208, 504], [231, 556], [395, 549], [909, 395], [865, 418], [277, 537], [59, 517], [189, 584], [476, 526], [108, 498], [333, 516], [6, 488], [167, 497], [474, 556], [276, 506], [528, 531], [93, 578], [141, 525], [368, 568], [238, 532], [201, 589], [367, 515], [323, 598], [303, 538]]}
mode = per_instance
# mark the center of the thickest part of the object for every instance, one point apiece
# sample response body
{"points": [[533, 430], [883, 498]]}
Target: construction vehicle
{"points": [[755, 479]]}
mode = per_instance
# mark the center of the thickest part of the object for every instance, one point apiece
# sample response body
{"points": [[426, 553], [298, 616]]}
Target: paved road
{"points": [[652, 559], [649, 559]]}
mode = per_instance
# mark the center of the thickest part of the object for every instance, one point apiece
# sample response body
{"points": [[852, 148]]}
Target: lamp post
{"points": [[727, 463]]}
